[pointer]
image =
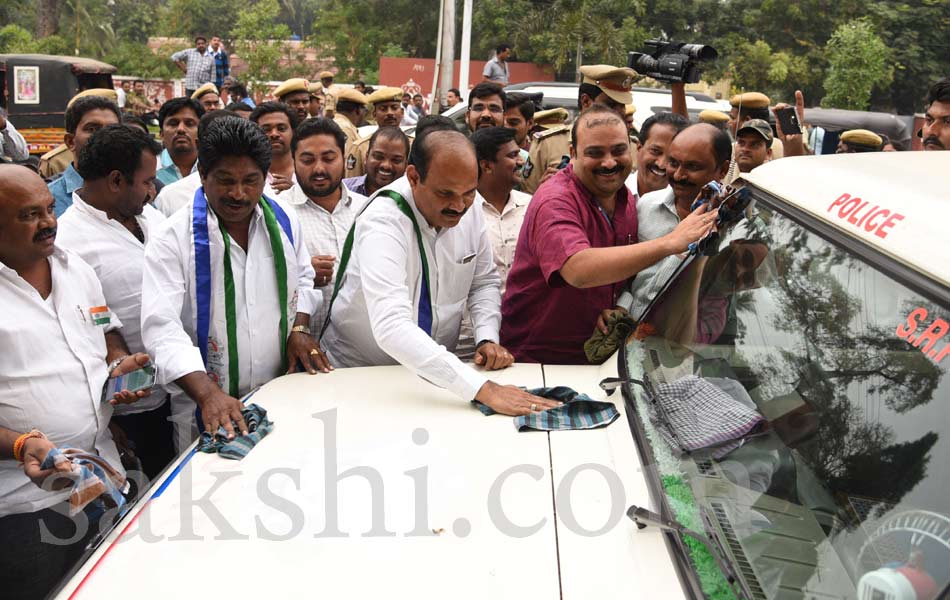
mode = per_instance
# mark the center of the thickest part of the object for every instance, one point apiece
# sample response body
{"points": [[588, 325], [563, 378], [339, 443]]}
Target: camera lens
{"points": [[699, 51]]}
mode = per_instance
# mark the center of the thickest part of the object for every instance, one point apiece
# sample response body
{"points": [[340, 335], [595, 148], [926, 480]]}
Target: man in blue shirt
{"points": [[84, 117], [222, 66]]}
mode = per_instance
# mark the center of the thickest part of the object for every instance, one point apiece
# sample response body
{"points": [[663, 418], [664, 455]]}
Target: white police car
{"points": [[825, 321]]}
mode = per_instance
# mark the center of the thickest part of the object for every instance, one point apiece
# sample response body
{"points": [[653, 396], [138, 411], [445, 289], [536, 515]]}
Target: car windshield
{"points": [[797, 405]]}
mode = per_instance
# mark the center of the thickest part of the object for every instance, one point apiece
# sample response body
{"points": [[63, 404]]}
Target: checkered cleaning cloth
{"points": [[258, 426], [693, 414], [577, 412], [95, 483]]}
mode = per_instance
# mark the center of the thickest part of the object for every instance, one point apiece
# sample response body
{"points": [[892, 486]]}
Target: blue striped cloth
{"points": [[258, 426], [96, 485], [579, 411]]}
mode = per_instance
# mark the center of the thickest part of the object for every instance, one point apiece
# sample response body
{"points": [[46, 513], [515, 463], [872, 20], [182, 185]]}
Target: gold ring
{"points": [[534, 407], [314, 352]]}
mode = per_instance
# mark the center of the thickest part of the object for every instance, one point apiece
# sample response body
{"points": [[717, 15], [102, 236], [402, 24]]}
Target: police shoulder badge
{"points": [[528, 167], [351, 161]]}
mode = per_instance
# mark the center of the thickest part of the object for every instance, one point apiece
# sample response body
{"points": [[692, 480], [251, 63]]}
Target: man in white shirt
{"points": [[227, 291], [325, 207], [12, 144], [108, 225], [278, 121], [59, 345], [419, 257]]}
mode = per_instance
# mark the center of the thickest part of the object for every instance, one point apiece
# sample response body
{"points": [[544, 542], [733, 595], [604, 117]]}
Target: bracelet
{"points": [[115, 363], [21, 441], [301, 329]]}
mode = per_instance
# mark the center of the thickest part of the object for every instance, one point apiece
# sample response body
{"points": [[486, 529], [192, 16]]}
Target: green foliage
{"points": [[133, 58], [15, 40], [188, 18], [858, 62], [259, 40]]}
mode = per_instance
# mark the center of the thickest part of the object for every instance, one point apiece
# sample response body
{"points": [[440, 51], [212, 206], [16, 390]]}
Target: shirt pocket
{"points": [[455, 278]]}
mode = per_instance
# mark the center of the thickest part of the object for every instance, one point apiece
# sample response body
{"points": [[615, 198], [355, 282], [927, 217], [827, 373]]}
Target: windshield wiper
{"points": [[644, 518]]}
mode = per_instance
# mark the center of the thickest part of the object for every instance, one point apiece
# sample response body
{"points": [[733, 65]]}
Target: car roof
{"points": [[911, 186], [79, 64]]}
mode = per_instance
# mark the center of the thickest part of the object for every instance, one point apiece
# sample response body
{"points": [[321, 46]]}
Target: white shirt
{"points": [[503, 229], [120, 97], [375, 318], [179, 193], [633, 184], [325, 232], [14, 146], [118, 258], [52, 370]]}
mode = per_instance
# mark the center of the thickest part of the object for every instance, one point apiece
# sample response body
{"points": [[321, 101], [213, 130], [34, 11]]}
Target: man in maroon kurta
{"points": [[578, 245]]}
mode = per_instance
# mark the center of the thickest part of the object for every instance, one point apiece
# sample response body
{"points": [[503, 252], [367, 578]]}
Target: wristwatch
{"points": [[301, 329], [115, 363]]}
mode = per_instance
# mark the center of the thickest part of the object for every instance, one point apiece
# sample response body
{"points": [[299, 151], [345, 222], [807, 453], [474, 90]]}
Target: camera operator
{"points": [[602, 84]]}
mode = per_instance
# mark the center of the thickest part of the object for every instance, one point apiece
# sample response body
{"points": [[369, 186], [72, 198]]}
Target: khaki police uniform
{"points": [[549, 147], [349, 129], [356, 155]]}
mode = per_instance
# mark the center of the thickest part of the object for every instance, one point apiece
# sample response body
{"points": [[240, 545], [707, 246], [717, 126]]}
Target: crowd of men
{"points": [[263, 239]]}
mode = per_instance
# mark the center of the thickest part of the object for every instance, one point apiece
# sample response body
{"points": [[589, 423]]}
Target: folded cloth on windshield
{"points": [[579, 411], [258, 426], [694, 414], [601, 345], [95, 483]]}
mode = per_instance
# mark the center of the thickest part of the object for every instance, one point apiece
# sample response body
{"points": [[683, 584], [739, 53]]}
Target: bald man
{"points": [[60, 345], [698, 154], [393, 308]]}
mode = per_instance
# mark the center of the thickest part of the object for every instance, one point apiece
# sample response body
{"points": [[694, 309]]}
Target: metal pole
{"points": [[466, 47], [447, 74], [438, 57]]}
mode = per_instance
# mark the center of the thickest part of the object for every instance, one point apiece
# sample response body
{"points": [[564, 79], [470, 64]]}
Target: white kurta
{"points": [[169, 307], [375, 318], [179, 193], [52, 370], [118, 258], [325, 233]]}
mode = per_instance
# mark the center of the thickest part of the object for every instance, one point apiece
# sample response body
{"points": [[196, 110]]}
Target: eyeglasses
{"points": [[494, 108]]}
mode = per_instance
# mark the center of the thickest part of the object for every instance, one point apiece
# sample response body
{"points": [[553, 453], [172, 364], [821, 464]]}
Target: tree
{"points": [[859, 61], [47, 17], [15, 40], [261, 42]]}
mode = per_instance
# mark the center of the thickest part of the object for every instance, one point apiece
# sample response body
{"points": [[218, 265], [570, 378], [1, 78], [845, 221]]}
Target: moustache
{"points": [[42, 234], [612, 171], [448, 212], [933, 140], [681, 183]]}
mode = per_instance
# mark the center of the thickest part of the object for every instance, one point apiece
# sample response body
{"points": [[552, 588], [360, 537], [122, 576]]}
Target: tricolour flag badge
{"points": [[101, 315]]}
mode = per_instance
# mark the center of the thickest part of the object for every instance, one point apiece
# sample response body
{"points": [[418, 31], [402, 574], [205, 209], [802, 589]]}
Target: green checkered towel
{"points": [[258, 426], [579, 411]]}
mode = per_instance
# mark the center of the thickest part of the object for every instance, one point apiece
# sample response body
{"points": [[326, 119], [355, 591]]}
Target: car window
{"points": [[797, 405]]}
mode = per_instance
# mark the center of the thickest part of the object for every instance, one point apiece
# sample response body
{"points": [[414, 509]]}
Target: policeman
{"points": [[602, 84], [56, 160], [716, 118], [859, 140], [752, 105], [316, 100], [387, 112], [330, 93], [295, 93], [208, 97], [546, 119], [350, 107]]}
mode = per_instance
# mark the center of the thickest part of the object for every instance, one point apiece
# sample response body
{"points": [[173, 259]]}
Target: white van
{"points": [[825, 315]]}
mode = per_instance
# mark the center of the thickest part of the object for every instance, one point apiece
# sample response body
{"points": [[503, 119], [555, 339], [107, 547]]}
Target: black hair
{"points": [[232, 136], [486, 89], [458, 94], [239, 107], [389, 133], [502, 47], [237, 89], [594, 109], [265, 108], [345, 106], [754, 113], [523, 102], [130, 119], [488, 141], [211, 117], [588, 89], [115, 148], [414, 96], [202, 38], [420, 156], [76, 111], [435, 123], [722, 146], [318, 126], [677, 122], [176, 104], [142, 81], [359, 82], [939, 92]]}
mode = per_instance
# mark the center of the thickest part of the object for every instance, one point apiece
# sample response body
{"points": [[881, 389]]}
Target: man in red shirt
{"points": [[578, 245]]}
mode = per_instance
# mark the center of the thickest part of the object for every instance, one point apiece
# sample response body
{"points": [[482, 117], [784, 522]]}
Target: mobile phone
{"points": [[140, 379], [565, 160], [788, 119]]}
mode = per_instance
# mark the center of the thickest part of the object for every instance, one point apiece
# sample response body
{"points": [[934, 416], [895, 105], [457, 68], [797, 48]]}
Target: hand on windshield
{"points": [[511, 400], [493, 356], [220, 410], [693, 228]]}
